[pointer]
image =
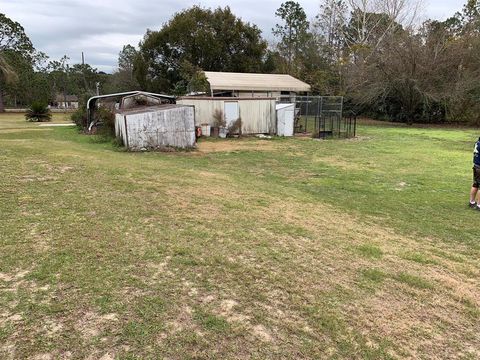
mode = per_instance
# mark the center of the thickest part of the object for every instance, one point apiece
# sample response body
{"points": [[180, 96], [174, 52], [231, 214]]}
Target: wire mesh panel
{"points": [[321, 116]]}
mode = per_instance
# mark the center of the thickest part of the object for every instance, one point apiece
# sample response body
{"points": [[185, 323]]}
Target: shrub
{"points": [[235, 127], [39, 112], [106, 118], [219, 119], [79, 117]]}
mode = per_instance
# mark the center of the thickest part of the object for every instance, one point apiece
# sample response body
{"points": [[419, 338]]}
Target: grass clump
{"points": [[374, 275], [419, 258], [211, 322], [471, 309], [370, 251], [413, 281]]}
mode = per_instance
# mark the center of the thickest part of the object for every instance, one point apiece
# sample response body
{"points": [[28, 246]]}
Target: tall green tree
{"points": [[126, 58], [214, 40], [123, 79], [20, 91], [12, 40], [292, 33]]}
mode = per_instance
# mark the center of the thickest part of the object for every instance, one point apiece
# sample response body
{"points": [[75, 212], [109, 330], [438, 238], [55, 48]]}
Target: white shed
{"points": [[285, 119], [156, 126], [258, 114]]}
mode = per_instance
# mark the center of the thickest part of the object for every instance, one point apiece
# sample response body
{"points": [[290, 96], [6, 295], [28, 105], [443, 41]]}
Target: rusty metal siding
{"points": [[258, 114]]}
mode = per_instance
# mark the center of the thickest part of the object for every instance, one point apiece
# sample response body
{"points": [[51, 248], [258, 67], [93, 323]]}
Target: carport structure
{"points": [[92, 102]]}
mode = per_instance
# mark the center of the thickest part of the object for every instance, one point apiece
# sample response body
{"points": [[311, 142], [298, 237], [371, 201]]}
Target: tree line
{"points": [[374, 53]]}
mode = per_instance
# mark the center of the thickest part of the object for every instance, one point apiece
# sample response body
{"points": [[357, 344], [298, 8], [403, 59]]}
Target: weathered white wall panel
{"points": [[258, 115], [120, 126], [173, 126]]}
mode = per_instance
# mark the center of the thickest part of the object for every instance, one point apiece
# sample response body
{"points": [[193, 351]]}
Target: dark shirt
{"points": [[476, 154]]}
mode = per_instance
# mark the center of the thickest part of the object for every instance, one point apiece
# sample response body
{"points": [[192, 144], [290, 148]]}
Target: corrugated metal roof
{"points": [[254, 82]]}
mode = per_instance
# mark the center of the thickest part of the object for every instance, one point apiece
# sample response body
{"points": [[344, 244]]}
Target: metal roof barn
{"points": [[255, 82], [258, 114], [156, 127]]}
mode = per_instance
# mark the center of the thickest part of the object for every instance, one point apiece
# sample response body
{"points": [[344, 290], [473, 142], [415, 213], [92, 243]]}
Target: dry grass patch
{"points": [[338, 162], [236, 145]]}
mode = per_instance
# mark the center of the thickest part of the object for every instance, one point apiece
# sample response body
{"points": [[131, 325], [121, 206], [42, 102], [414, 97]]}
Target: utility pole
{"points": [[98, 88], [83, 73]]}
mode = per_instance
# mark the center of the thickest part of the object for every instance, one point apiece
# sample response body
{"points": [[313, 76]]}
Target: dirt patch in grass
{"points": [[228, 310], [52, 328], [36, 178], [14, 278], [262, 333], [236, 145], [212, 175], [91, 324], [183, 321]]}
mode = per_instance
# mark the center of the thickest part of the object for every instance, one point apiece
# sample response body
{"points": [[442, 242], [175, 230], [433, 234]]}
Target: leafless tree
{"points": [[373, 20]]}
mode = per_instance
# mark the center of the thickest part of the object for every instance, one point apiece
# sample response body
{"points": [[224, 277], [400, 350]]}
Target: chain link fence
{"points": [[321, 116]]}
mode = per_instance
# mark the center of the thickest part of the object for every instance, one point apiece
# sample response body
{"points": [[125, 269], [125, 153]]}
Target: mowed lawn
{"points": [[243, 249]]}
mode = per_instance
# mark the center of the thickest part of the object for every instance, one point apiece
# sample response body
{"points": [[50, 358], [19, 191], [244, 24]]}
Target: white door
{"points": [[280, 122], [231, 112], [288, 130]]}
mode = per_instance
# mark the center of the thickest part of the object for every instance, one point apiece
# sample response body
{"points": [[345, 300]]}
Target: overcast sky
{"points": [[101, 27]]}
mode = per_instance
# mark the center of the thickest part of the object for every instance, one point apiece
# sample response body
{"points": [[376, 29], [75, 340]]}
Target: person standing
{"points": [[476, 177]]}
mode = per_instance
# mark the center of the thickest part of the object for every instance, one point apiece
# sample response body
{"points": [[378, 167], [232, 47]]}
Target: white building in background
{"points": [[65, 102]]}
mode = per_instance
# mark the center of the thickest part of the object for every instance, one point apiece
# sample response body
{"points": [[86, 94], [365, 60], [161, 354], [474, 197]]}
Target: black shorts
{"points": [[476, 177]]}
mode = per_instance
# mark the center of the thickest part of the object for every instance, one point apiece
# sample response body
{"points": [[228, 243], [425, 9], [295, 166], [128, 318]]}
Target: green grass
{"points": [[419, 258], [374, 275], [369, 250], [471, 309], [211, 322], [413, 280], [246, 248]]}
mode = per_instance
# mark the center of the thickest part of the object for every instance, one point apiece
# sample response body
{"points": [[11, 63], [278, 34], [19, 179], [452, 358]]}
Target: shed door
{"points": [[280, 122], [288, 130], [231, 112]]}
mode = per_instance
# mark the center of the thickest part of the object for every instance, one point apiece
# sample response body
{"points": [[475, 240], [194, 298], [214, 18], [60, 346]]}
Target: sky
{"points": [[100, 28]]}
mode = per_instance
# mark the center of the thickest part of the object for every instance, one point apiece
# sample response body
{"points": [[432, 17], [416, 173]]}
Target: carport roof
{"points": [[254, 82]]}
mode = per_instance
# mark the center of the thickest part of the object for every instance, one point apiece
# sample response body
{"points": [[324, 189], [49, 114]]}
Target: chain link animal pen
{"points": [[321, 116]]}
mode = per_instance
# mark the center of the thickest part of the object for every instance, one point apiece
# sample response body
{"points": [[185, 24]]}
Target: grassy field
{"points": [[258, 249]]}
